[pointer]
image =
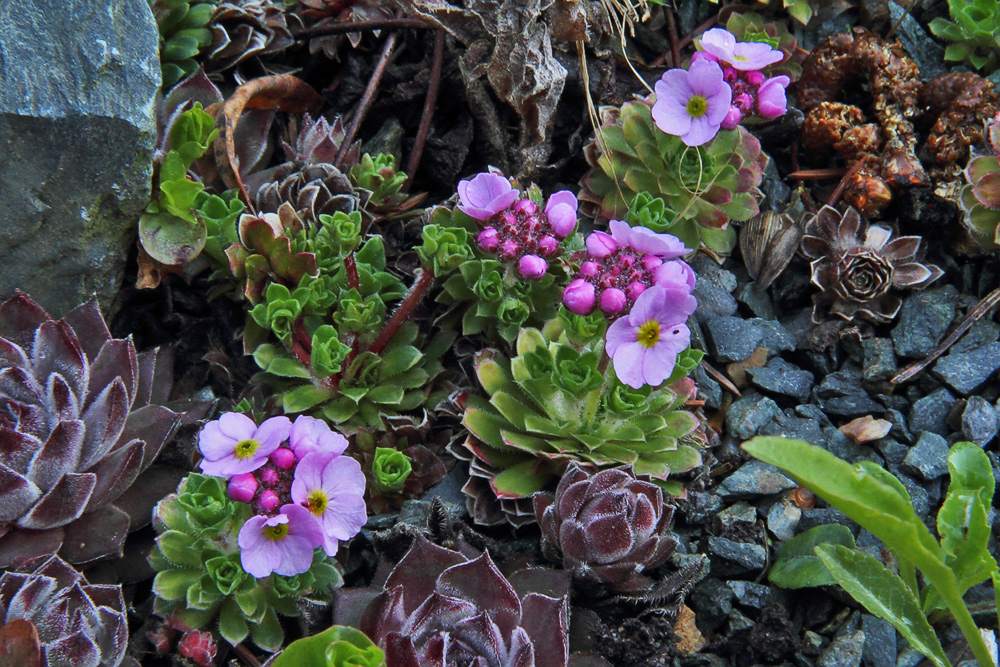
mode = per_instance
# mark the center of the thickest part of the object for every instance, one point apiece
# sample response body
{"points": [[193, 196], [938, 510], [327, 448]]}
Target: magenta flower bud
{"points": [[627, 260], [754, 78], [579, 297], [269, 476], [283, 458], [509, 219], [533, 223], [612, 301], [600, 245], [561, 212], [526, 207], [732, 118], [771, 100], [729, 74], [650, 262], [634, 290], [547, 245], [532, 266], [488, 239], [242, 488], [508, 249], [268, 500], [606, 281], [743, 102], [590, 269]]}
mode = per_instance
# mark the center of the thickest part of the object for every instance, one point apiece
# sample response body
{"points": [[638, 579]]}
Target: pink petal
{"points": [[673, 85], [619, 333], [675, 274], [229, 466], [671, 118], [237, 426], [657, 366], [272, 433], [343, 477], [213, 443], [754, 55], [309, 475], [345, 517], [674, 339], [562, 197], [295, 555], [719, 42], [705, 78], [701, 132], [628, 364], [719, 105]]}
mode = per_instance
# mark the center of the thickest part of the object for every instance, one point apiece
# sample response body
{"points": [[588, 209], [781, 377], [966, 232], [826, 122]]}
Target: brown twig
{"points": [[428, 113], [975, 313], [405, 310], [844, 182], [360, 26], [246, 656], [366, 99], [721, 379], [675, 51], [816, 174]]}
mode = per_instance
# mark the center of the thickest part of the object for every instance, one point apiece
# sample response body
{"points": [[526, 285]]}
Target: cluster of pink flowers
{"points": [[633, 274], [515, 229], [305, 493], [723, 86]]}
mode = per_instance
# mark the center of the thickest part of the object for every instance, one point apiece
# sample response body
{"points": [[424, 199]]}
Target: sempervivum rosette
{"points": [[606, 528], [440, 609], [77, 426], [78, 624]]}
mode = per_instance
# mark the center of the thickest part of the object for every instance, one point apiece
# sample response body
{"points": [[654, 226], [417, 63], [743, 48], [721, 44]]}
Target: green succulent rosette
{"points": [[338, 646], [974, 30], [980, 198], [703, 188], [390, 469], [554, 403], [184, 33], [200, 581]]}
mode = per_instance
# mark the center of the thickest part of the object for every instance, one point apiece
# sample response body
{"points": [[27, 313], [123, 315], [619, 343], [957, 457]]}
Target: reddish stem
{"points": [[352, 271], [428, 113], [359, 26], [675, 51], [406, 307], [301, 344]]}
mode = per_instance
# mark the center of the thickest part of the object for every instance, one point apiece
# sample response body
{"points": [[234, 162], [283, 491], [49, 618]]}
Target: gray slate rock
{"points": [[980, 421], [733, 515], [798, 428], [927, 53], [844, 651], [930, 413], [967, 371], [982, 332], [928, 458], [880, 642], [879, 359], [748, 414], [712, 602], [731, 558], [78, 82], [923, 321], [732, 338], [781, 377], [758, 302], [753, 479], [752, 594], [783, 518]]}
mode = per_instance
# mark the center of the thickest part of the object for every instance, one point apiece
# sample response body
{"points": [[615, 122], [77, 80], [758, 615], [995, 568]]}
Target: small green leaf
{"points": [[176, 547], [884, 595], [173, 584], [232, 624], [169, 239], [268, 634], [342, 643], [799, 567], [303, 398]]}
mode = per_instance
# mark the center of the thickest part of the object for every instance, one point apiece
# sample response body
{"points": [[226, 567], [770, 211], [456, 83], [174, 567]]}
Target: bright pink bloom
{"points": [[485, 195], [692, 104], [283, 458], [644, 344], [612, 301], [532, 266], [771, 100], [331, 489], [674, 274], [314, 435], [600, 245], [242, 488], [646, 241], [741, 55], [560, 209], [234, 444], [283, 543], [579, 296], [732, 119], [268, 501], [488, 239]]}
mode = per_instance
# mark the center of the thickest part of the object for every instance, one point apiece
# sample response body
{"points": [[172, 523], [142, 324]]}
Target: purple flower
{"points": [[771, 101], [242, 488], [579, 296], [561, 212], [234, 444], [485, 195], [331, 489], [314, 435], [692, 104], [644, 344], [741, 55], [674, 274], [646, 241], [283, 543]]}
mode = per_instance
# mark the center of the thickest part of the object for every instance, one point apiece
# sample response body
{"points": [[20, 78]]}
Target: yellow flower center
{"points": [[276, 532], [649, 333], [246, 448], [317, 502], [697, 106]]}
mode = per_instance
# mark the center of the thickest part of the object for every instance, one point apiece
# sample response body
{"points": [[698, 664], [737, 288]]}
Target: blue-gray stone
{"points": [[783, 518], [817, 516], [879, 359], [713, 301], [708, 388], [781, 377], [810, 411], [732, 338], [930, 413], [980, 421], [753, 479], [798, 428], [923, 321], [982, 332], [918, 495], [900, 429], [701, 506], [928, 458], [844, 651], [892, 451], [757, 301], [78, 84], [967, 371], [731, 558], [751, 594], [841, 446], [748, 414], [774, 336], [712, 602], [737, 513], [852, 405], [880, 642]]}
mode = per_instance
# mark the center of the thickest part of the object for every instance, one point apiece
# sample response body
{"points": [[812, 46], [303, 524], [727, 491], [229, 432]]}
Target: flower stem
{"points": [[301, 343], [428, 113], [406, 307]]}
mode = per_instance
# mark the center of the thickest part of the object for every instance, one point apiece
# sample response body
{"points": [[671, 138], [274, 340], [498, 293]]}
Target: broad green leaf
{"points": [[232, 624], [398, 360], [304, 397], [799, 567], [173, 584], [340, 641], [176, 547], [884, 595], [169, 239], [288, 368], [268, 634], [970, 470], [522, 480]]}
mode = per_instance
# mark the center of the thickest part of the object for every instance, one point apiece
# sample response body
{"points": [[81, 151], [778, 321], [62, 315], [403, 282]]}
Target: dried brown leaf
{"points": [[865, 429]]}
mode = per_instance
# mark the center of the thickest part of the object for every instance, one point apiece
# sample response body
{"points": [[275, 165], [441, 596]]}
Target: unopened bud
{"points": [[268, 501], [579, 297], [488, 239], [532, 266], [612, 301], [242, 488], [547, 245], [600, 245]]}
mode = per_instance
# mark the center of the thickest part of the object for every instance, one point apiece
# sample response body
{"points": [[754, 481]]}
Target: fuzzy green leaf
{"points": [[798, 566], [232, 624], [177, 548], [173, 584], [303, 398]]}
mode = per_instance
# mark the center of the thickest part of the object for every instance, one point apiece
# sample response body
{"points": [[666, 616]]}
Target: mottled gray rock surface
{"points": [[78, 82]]}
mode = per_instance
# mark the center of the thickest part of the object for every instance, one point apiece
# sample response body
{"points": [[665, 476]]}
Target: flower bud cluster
{"points": [[516, 230], [622, 265]]}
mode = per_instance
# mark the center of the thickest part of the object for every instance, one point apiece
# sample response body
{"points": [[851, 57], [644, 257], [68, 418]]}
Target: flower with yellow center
{"points": [[331, 488], [234, 445]]}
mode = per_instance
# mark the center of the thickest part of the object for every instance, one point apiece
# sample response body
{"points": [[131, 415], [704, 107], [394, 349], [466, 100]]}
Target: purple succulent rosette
{"points": [[441, 609], [606, 528]]}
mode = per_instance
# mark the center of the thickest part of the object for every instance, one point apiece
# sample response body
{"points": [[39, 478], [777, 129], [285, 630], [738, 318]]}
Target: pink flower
{"points": [[579, 296], [233, 444], [646, 241], [283, 543], [314, 435], [674, 274], [532, 266], [600, 245], [692, 104], [485, 195], [644, 344], [242, 488], [741, 55], [561, 212], [331, 489], [771, 101]]}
